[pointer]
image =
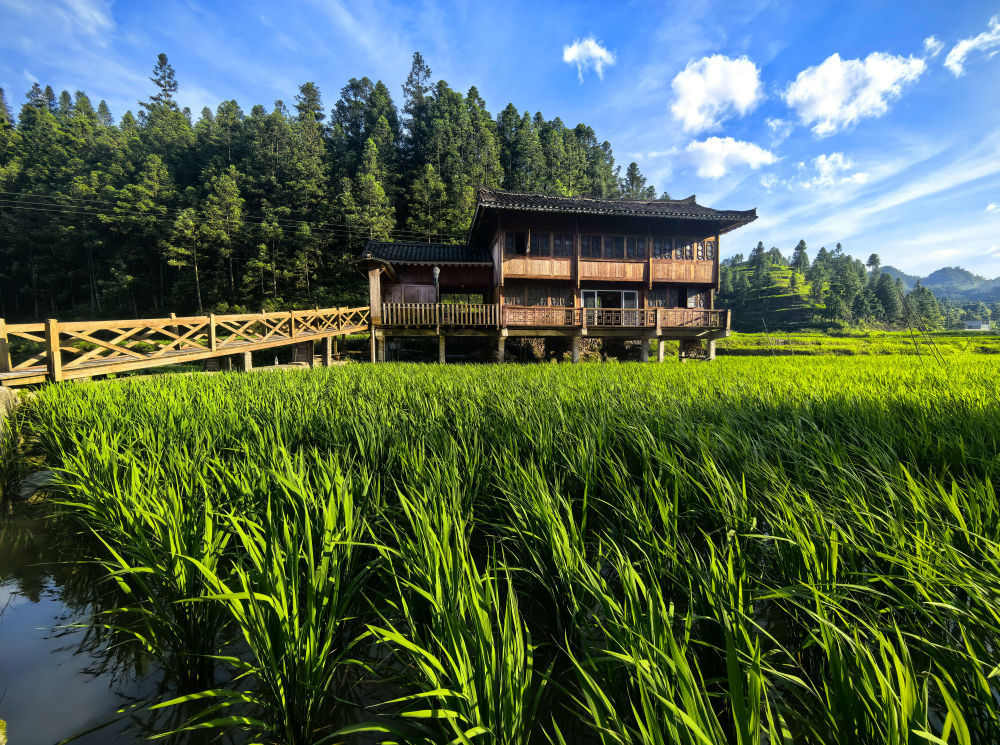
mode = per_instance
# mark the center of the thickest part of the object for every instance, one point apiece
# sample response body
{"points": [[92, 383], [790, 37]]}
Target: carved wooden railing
{"points": [[440, 314], [515, 315], [489, 315], [57, 350], [697, 317]]}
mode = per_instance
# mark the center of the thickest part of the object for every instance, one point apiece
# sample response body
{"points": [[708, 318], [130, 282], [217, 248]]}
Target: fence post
{"points": [[53, 354], [211, 332], [4, 348], [291, 324]]}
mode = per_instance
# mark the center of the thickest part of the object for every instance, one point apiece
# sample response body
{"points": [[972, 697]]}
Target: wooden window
{"points": [[631, 247], [685, 249], [561, 297], [562, 245], [541, 244], [695, 297], [662, 248], [640, 247], [662, 297], [614, 247], [700, 250], [536, 293], [590, 246], [515, 244], [513, 293], [710, 250]]}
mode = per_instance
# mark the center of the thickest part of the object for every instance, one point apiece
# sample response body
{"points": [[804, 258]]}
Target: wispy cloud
{"points": [[984, 42], [712, 89], [838, 93], [588, 54], [717, 156], [993, 207], [932, 47]]}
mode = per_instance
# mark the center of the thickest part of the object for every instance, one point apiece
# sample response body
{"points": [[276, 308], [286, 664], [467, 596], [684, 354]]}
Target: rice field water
{"points": [[750, 551]]}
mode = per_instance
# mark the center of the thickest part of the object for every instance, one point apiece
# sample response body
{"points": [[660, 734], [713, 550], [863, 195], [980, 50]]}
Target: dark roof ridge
{"points": [[508, 192]]}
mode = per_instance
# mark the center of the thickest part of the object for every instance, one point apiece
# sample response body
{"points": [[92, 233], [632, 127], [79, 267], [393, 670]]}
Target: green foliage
{"points": [[752, 551], [92, 217]]}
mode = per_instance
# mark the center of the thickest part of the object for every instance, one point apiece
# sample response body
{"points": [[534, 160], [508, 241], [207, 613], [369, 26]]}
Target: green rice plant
{"points": [[457, 630], [291, 593]]}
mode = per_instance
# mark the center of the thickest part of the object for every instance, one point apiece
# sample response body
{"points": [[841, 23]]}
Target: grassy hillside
{"points": [[778, 306]]}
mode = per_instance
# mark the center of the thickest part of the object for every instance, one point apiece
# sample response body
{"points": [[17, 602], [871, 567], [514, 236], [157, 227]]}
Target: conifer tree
{"points": [[800, 259], [428, 204]]}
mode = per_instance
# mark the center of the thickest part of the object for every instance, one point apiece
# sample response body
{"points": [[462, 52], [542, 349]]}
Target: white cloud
{"points": [[713, 88], [933, 46], [780, 129], [838, 93], [993, 207], [768, 181], [832, 170], [586, 54], [716, 156], [988, 39]]}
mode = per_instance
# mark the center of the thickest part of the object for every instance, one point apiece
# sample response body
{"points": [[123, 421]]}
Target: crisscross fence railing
{"points": [[59, 350]]}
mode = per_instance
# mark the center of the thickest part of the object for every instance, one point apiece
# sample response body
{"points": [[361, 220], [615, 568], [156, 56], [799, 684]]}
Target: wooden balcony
{"points": [[441, 314], [487, 315]]}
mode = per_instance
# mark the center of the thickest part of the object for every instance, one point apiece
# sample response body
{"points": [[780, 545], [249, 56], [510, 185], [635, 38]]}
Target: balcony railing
{"points": [[440, 314], [491, 315]]}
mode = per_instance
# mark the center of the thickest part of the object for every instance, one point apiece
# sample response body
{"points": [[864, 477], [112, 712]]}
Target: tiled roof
{"points": [[683, 209], [425, 253]]}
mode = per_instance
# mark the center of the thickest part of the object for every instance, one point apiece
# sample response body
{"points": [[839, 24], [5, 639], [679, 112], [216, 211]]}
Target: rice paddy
{"points": [[750, 551]]}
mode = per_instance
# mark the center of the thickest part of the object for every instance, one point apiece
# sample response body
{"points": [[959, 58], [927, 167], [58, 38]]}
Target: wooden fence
{"points": [[61, 350]]}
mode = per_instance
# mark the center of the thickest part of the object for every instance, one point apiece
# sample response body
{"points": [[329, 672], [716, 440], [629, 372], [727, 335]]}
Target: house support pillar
{"points": [[382, 341], [372, 342], [644, 349], [710, 354], [661, 348], [441, 350], [576, 348], [245, 361], [501, 347]]}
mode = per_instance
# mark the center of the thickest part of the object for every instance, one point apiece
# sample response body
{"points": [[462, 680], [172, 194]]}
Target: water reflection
{"points": [[59, 674]]}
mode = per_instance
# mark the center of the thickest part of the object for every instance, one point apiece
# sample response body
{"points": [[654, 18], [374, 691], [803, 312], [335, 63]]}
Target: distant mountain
{"points": [[952, 282]]}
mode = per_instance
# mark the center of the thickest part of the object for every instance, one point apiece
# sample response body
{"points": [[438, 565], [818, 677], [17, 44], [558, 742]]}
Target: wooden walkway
{"points": [[55, 350]]}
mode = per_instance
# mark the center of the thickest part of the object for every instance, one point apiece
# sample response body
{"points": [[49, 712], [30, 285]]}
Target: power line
{"points": [[94, 203], [171, 214]]}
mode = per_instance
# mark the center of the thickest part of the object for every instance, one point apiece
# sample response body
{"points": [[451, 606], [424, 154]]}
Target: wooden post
{"points": [[383, 342], [660, 349], [327, 356], [53, 354], [441, 350], [711, 350], [576, 348], [4, 348], [246, 361], [211, 332], [372, 341], [644, 349], [173, 329], [501, 347], [291, 324], [336, 347]]}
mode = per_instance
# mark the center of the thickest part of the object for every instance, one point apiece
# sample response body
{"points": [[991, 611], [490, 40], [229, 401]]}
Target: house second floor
{"points": [[540, 251]]}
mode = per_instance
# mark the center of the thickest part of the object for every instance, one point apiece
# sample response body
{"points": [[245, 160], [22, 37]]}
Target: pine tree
{"points": [[165, 81], [375, 216], [633, 186], [182, 248], [104, 114], [428, 204], [800, 259], [309, 104], [889, 298]]}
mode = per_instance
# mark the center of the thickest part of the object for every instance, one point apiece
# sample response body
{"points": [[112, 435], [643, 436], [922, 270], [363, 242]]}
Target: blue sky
{"points": [[874, 124]]}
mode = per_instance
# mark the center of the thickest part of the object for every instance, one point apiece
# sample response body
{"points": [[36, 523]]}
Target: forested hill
{"points": [[952, 282], [164, 211]]}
